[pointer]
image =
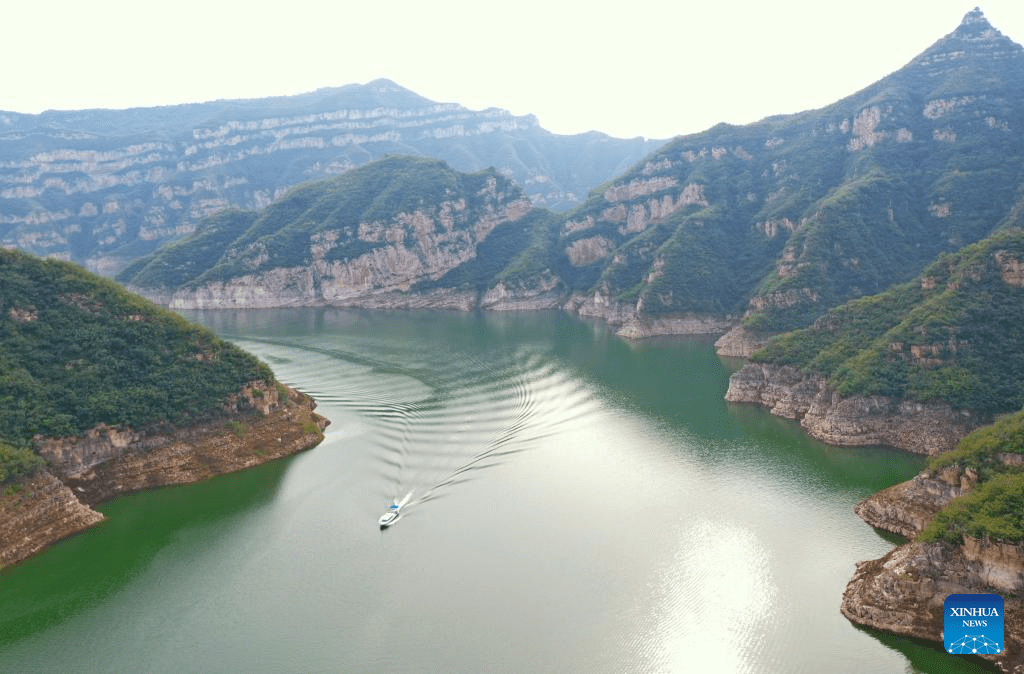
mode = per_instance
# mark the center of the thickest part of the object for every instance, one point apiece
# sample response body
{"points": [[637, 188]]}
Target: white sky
{"points": [[654, 68]]}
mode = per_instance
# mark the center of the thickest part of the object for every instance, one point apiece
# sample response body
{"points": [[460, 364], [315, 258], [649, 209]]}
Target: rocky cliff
{"points": [[789, 216], [271, 423], [903, 592], [37, 513], [908, 507], [102, 187], [922, 428]]}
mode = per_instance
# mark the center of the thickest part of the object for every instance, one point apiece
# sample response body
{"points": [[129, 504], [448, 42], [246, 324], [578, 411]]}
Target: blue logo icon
{"points": [[973, 624]]}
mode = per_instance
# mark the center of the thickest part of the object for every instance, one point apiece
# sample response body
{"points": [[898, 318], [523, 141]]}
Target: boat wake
{"points": [[438, 419]]}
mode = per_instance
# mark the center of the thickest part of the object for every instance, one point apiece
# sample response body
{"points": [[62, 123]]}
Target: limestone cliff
{"points": [[39, 512], [740, 342], [101, 187], [908, 507], [903, 592], [922, 428], [265, 423], [407, 249], [396, 232], [795, 214]]}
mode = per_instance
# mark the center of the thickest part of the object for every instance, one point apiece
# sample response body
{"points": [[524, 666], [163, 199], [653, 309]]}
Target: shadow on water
{"points": [[80, 572], [927, 657]]}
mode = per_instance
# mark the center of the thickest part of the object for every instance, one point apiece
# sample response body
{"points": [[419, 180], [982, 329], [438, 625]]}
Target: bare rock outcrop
{"points": [[546, 292], [641, 327], [269, 423], [40, 511], [739, 342], [922, 428], [202, 452], [908, 507], [903, 592]]}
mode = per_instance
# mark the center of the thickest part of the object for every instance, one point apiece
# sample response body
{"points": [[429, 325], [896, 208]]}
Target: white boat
{"points": [[390, 517]]}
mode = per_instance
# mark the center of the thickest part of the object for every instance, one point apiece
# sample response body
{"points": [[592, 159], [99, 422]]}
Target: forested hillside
{"points": [[952, 334], [77, 350], [400, 223], [774, 222], [792, 215]]}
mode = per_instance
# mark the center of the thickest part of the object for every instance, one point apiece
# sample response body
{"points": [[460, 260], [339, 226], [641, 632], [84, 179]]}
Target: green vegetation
{"points": [[77, 350], [235, 427], [951, 335], [333, 214], [995, 507], [981, 449], [179, 262], [993, 510], [801, 213], [514, 250], [16, 462]]}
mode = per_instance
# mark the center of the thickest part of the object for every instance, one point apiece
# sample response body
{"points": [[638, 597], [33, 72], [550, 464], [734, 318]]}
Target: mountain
{"points": [[773, 222], [917, 366], [953, 334], [104, 187], [395, 230], [784, 218], [104, 392], [78, 351]]}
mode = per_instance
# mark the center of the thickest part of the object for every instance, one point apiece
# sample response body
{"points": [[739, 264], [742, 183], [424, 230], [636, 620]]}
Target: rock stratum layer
{"points": [[908, 507], [105, 462], [903, 592], [921, 428], [101, 187]]}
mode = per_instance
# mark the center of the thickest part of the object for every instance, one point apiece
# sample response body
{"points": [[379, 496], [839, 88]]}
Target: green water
{"points": [[574, 503]]}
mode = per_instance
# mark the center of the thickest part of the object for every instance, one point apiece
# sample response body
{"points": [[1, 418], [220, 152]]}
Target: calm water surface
{"points": [[574, 503]]}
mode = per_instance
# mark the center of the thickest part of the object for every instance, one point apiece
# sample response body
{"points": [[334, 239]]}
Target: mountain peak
{"points": [[974, 41], [975, 25]]}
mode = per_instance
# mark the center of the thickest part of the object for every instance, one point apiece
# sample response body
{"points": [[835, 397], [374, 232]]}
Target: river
{"points": [[574, 503]]}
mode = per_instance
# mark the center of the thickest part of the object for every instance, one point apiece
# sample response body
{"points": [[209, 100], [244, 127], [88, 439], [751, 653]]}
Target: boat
{"points": [[390, 517]]}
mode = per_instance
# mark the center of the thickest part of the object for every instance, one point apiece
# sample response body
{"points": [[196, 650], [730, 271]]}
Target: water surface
{"points": [[574, 503]]}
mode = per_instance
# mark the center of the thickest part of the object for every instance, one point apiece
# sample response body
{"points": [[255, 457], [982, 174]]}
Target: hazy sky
{"points": [[654, 68]]}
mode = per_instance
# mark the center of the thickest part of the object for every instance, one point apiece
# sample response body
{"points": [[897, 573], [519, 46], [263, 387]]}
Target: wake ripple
{"points": [[438, 418]]}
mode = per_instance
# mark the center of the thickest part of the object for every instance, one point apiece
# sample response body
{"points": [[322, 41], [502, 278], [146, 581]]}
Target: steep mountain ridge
{"points": [[383, 229], [917, 366], [103, 187], [772, 223], [806, 211]]}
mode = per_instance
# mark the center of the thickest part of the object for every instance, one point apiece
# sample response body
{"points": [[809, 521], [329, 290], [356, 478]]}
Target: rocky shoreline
{"points": [[922, 428], [265, 423], [630, 323], [903, 592]]}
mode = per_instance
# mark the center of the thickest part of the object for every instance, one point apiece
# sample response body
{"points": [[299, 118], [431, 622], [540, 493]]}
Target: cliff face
{"points": [[101, 187], [903, 592], [908, 507], [105, 462], [409, 248], [922, 428], [739, 342], [794, 214], [43, 511]]}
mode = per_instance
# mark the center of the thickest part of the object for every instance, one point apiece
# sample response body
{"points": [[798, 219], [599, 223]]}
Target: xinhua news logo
{"points": [[973, 624]]}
